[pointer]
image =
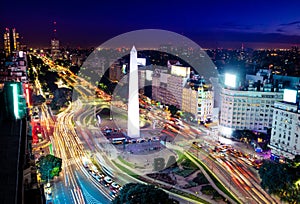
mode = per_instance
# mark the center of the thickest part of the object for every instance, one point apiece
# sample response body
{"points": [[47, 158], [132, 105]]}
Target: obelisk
{"points": [[133, 123]]}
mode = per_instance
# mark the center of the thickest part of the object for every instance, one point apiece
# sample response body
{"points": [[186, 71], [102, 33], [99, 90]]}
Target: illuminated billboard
{"points": [[124, 69], [149, 75], [180, 71], [290, 95], [141, 61], [230, 80]]}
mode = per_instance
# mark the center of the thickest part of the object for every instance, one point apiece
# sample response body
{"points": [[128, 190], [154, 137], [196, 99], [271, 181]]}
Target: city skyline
{"points": [[256, 24]]}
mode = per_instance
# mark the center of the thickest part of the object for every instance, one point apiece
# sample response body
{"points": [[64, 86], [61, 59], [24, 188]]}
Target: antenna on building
{"points": [[54, 29]]}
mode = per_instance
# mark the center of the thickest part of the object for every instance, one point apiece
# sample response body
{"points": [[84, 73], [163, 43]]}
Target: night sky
{"points": [[212, 23]]}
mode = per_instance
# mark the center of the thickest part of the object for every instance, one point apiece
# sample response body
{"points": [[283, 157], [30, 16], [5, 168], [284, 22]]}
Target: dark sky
{"points": [[210, 23]]}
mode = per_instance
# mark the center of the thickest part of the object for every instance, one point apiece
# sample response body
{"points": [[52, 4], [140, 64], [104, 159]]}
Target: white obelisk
{"points": [[133, 123]]}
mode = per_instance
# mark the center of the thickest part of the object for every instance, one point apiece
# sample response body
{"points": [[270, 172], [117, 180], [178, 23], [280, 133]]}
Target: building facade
{"points": [[55, 51], [199, 102], [11, 41], [189, 101], [16, 69], [174, 87], [167, 85], [251, 110], [285, 133], [115, 72]]}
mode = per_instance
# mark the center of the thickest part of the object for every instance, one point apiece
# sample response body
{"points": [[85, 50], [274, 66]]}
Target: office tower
{"points": [[133, 123], [11, 41], [16, 69], [250, 110], [55, 51], [167, 85], [115, 72]]}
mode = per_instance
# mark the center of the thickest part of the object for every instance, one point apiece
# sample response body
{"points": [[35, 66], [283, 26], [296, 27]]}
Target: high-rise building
{"points": [[145, 80], [115, 72], [11, 41], [199, 102], [13, 124], [55, 51], [158, 82], [173, 95], [16, 69], [189, 101], [251, 110], [167, 87], [55, 47], [285, 135]]}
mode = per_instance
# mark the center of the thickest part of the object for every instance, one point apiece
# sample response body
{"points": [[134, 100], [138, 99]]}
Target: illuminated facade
{"points": [[14, 141], [133, 122], [251, 110], [55, 52], [16, 70], [189, 101], [285, 140], [159, 83], [115, 72], [11, 41], [180, 71], [168, 88], [198, 102], [175, 86]]}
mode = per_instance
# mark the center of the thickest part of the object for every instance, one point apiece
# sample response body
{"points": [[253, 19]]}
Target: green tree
{"points": [[49, 166], [275, 177], [135, 193], [291, 195], [173, 110]]}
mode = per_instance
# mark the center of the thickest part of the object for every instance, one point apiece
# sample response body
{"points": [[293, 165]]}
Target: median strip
{"points": [[215, 179]]}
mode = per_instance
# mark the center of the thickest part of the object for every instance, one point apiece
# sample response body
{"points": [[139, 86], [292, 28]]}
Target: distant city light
{"points": [[230, 80]]}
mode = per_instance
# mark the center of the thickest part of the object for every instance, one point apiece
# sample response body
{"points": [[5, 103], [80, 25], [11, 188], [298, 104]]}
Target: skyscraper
{"points": [[11, 42], [55, 52], [133, 123]]}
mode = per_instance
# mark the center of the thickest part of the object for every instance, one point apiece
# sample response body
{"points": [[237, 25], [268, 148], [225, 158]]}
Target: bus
{"points": [[118, 140]]}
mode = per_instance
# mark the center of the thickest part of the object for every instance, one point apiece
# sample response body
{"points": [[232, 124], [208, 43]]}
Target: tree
{"points": [[281, 179], [275, 177], [49, 166], [135, 193], [173, 110]]}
